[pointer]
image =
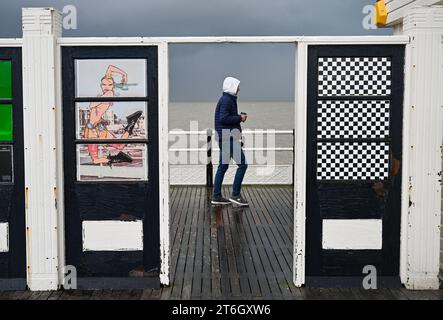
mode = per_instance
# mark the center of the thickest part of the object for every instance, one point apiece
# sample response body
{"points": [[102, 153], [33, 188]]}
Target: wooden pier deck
{"points": [[230, 253]]}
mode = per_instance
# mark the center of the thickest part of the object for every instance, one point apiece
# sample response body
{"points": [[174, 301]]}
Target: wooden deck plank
{"points": [[206, 268], [180, 247], [35, 295], [191, 255], [248, 280], [272, 242], [179, 212], [197, 280], [133, 294], [266, 256], [233, 259], [270, 212], [223, 256], [44, 295], [255, 261], [55, 295], [215, 275], [156, 294], [278, 241], [166, 293]]}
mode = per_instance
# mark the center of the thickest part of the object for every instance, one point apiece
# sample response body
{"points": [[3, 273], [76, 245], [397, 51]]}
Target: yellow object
{"points": [[381, 13]]}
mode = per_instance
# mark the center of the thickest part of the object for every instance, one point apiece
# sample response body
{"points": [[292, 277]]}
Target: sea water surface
{"points": [[261, 115]]}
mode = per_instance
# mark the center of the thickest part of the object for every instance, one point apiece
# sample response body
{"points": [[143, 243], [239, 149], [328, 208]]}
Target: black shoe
{"points": [[220, 201], [119, 158], [239, 200], [132, 120]]}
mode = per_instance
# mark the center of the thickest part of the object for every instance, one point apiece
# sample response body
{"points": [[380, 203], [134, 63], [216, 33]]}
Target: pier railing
{"points": [[203, 173]]}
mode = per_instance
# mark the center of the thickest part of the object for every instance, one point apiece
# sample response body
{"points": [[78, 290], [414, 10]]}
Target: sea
{"points": [[261, 116]]}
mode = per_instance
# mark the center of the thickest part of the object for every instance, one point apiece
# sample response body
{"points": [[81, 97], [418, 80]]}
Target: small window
{"points": [[6, 122], [6, 165], [110, 78], [109, 120], [112, 162], [5, 79]]}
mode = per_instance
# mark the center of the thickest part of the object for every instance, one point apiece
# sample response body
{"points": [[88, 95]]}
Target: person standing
{"points": [[228, 129]]}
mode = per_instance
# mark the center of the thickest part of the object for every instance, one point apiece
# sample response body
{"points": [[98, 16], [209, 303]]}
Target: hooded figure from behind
{"points": [[228, 128]]}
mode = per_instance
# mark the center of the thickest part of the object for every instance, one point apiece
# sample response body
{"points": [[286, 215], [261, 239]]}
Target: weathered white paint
{"points": [[352, 234], [300, 125], [422, 143], [163, 106], [397, 9], [10, 42], [112, 235], [138, 41], [41, 28], [60, 167], [4, 237]]}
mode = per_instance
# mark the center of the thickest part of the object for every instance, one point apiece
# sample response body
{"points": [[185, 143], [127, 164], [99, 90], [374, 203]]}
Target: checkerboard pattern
{"points": [[352, 160], [354, 76], [352, 119]]}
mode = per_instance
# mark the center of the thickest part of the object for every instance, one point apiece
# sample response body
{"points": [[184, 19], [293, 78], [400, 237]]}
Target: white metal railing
{"points": [[208, 148]]}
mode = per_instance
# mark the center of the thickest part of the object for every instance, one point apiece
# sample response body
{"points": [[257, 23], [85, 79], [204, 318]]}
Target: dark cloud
{"points": [[196, 70]]}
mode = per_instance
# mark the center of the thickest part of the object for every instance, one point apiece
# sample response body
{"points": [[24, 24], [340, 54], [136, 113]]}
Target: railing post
{"points": [[209, 166]]}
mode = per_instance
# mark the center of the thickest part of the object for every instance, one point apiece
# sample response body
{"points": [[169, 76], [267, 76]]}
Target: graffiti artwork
{"points": [[111, 120]]}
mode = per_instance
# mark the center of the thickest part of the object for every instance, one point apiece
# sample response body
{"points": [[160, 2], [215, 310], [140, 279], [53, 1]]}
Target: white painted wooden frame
{"points": [[301, 88], [41, 28], [163, 102], [10, 43]]}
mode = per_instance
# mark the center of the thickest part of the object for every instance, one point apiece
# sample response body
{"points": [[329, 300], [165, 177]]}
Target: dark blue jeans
{"points": [[230, 149]]}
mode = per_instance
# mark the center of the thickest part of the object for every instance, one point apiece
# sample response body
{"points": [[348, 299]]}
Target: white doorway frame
{"points": [[302, 44], [301, 87]]}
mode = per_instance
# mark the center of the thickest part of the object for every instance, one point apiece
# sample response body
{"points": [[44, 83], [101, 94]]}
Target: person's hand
{"points": [[243, 117], [124, 78]]}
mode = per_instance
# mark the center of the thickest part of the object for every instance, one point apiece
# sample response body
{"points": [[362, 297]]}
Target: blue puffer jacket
{"points": [[226, 114]]}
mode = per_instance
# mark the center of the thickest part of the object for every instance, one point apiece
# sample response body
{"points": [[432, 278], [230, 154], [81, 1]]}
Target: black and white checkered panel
{"points": [[352, 119], [354, 76], [352, 160]]}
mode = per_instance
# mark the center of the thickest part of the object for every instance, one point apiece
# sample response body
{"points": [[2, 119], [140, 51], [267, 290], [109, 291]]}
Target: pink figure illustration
{"points": [[97, 126]]}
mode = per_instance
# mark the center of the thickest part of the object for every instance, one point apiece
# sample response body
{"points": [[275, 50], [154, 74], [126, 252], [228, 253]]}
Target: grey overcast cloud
{"points": [[266, 71]]}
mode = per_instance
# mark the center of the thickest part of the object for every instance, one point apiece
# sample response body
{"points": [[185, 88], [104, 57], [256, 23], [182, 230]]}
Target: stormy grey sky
{"points": [[196, 71]]}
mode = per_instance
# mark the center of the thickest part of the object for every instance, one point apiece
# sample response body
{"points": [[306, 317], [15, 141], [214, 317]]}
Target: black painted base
{"points": [[12, 284], [117, 283], [350, 282]]}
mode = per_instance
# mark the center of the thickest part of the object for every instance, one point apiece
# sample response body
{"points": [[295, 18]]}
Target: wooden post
{"points": [[41, 29], [209, 166]]}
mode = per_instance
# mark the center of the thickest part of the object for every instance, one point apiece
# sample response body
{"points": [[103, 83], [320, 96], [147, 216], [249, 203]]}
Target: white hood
{"points": [[230, 85]]}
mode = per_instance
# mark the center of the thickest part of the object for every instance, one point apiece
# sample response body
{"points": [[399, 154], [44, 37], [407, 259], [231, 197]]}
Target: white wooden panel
{"points": [[355, 234], [147, 41], [397, 8], [112, 235], [422, 143], [41, 28], [300, 124], [10, 42], [4, 237], [163, 106]]}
